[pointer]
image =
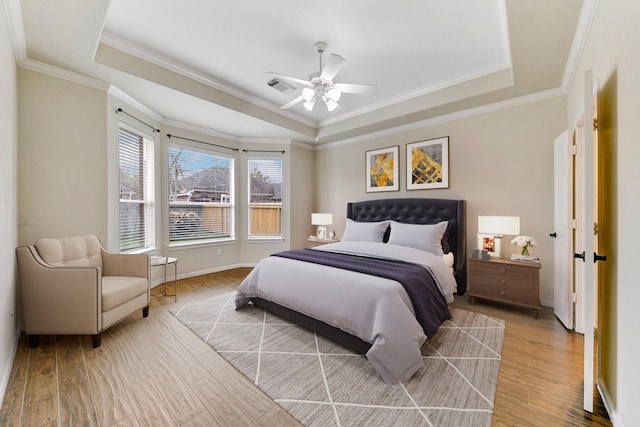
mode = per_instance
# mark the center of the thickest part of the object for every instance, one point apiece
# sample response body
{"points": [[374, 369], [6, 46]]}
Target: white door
{"points": [[563, 212], [579, 266], [589, 250]]}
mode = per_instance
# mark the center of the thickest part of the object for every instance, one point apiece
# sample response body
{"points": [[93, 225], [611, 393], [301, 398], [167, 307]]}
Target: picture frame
{"points": [[428, 164], [381, 169], [489, 243]]}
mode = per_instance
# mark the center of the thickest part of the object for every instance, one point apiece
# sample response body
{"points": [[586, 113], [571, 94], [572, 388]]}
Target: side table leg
{"points": [[165, 277], [175, 281]]}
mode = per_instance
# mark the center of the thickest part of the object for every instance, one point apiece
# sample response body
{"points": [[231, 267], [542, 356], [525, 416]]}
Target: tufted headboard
{"points": [[422, 211]]}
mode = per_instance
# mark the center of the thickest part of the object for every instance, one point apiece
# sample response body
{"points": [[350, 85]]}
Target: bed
{"points": [[372, 312]]}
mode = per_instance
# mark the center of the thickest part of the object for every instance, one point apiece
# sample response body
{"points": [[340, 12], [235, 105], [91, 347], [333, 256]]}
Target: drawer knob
{"points": [[502, 293], [502, 270]]}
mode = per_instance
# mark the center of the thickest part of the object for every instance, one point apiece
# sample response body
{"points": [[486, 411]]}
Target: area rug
{"points": [[323, 384]]}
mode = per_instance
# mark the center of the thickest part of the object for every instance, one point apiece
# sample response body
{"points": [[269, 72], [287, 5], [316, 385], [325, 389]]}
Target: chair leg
{"points": [[96, 339], [145, 311], [34, 341]]}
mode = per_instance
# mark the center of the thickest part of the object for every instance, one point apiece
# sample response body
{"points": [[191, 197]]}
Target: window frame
{"points": [[231, 198], [264, 237], [149, 200]]}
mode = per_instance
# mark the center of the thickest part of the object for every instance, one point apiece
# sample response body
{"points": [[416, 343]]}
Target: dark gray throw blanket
{"points": [[429, 304]]}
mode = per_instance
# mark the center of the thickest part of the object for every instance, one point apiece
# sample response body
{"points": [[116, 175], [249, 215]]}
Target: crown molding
{"points": [[61, 73], [509, 103], [585, 21], [16, 29]]}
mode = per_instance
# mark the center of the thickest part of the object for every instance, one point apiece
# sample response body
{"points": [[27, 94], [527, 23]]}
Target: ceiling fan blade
{"points": [[331, 68], [356, 88], [293, 102], [291, 79]]}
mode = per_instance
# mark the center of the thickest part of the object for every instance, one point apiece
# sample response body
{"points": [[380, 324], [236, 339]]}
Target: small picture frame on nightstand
{"points": [[489, 243]]}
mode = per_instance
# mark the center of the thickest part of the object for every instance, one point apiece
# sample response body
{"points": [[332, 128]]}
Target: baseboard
{"points": [[6, 372], [608, 404], [160, 281]]}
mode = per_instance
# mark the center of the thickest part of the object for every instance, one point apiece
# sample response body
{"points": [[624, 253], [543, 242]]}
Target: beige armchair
{"points": [[72, 286]]}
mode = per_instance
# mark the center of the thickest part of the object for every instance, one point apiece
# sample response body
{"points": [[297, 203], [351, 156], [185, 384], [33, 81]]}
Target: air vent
{"points": [[280, 85]]}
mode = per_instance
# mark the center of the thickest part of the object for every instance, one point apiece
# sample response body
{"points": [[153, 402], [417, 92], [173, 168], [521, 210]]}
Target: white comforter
{"points": [[375, 309]]}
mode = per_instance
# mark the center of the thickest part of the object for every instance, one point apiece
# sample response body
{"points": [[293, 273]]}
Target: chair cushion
{"points": [[78, 251], [117, 290]]}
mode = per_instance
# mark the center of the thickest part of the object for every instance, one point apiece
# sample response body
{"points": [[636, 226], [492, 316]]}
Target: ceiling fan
{"points": [[321, 86]]}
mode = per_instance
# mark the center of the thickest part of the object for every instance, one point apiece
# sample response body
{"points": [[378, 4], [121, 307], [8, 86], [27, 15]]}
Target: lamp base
{"points": [[321, 234]]}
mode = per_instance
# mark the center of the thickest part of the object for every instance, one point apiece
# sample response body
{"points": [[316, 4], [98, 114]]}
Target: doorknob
{"points": [[597, 257], [554, 235], [581, 256]]}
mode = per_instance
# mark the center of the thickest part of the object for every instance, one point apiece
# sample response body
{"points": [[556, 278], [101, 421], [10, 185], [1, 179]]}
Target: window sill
{"points": [[200, 244], [265, 240]]}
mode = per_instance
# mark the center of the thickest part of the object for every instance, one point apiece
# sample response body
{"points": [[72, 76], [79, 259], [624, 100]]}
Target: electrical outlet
{"points": [[219, 252]]}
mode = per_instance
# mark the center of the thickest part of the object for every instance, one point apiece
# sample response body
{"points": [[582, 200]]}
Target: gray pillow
{"points": [[364, 231], [426, 237]]}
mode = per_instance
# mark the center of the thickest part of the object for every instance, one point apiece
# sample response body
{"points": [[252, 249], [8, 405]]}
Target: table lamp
{"points": [[498, 226], [321, 220]]}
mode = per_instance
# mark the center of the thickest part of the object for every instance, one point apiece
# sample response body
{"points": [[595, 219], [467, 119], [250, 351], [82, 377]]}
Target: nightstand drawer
{"points": [[506, 271], [501, 290]]}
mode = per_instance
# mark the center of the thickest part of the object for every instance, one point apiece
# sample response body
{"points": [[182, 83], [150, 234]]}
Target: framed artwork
{"points": [[489, 243], [428, 164], [382, 169]]}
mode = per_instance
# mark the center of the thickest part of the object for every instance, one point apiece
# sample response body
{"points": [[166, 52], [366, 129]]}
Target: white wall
{"points": [[62, 158], [302, 196], [612, 53], [8, 203], [500, 162]]}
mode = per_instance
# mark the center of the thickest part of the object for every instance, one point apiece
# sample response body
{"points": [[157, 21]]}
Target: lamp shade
{"points": [[331, 104], [309, 105], [308, 93], [321, 219], [499, 225]]}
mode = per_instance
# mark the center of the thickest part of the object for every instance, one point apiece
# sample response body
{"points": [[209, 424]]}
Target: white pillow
{"points": [[426, 237], [364, 231]]}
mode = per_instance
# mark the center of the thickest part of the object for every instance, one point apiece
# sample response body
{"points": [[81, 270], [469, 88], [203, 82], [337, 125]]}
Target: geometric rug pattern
{"points": [[324, 384]]}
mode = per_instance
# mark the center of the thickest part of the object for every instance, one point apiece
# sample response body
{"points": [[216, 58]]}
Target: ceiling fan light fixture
{"points": [[309, 104], [334, 94], [331, 104], [308, 94]]}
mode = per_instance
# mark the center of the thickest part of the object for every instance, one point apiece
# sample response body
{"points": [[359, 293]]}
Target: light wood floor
{"points": [[153, 371]]}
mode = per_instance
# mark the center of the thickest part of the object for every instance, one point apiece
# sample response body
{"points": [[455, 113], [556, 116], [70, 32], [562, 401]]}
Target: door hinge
{"points": [[574, 223], [574, 297], [595, 124], [574, 149], [595, 228]]}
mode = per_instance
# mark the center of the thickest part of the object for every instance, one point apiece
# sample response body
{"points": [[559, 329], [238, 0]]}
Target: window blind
{"points": [[265, 197], [200, 195], [137, 225]]}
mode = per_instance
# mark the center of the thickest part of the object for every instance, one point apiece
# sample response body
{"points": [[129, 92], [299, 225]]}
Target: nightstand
{"points": [[503, 280], [315, 241]]}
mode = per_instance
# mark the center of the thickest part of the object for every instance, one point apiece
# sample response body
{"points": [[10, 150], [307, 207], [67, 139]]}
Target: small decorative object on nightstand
{"points": [[523, 249], [503, 280]]}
